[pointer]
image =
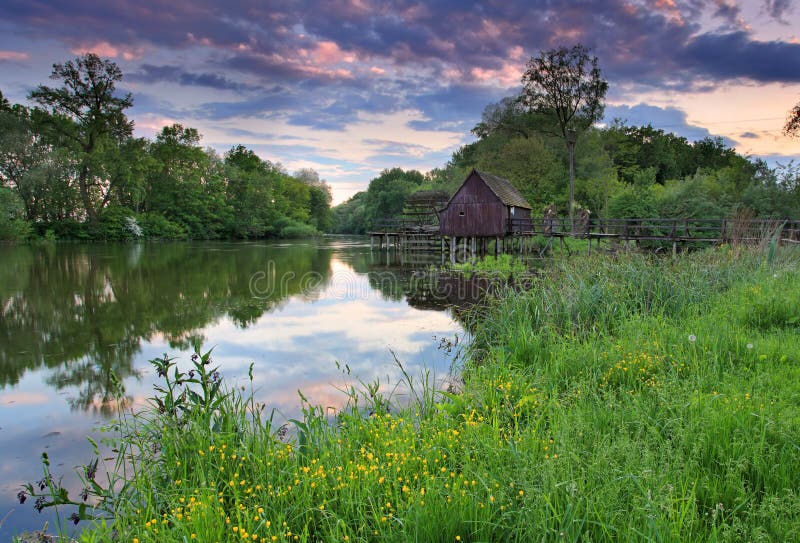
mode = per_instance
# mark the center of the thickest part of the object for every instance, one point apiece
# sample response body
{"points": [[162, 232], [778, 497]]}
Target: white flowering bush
{"points": [[133, 228]]}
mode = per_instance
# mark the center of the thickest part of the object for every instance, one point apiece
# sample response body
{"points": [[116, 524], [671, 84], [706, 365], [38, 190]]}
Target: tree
{"points": [[252, 187], [12, 217], [566, 84], [387, 193], [186, 183], [88, 116], [792, 127], [509, 116]]}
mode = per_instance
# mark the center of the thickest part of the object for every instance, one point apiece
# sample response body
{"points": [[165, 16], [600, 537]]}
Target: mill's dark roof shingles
{"points": [[504, 190]]}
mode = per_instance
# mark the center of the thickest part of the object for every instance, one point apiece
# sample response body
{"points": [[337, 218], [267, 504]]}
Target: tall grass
{"points": [[628, 399]]}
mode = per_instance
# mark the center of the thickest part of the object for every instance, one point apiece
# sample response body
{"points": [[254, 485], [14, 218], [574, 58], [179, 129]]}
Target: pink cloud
{"points": [[13, 55], [672, 10], [328, 52], [516, 53], [150, 124], [506, 76], [106, 49]]}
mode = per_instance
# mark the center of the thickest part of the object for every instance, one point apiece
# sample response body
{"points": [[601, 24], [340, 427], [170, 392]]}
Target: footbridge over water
{"points": [[529, 235]]}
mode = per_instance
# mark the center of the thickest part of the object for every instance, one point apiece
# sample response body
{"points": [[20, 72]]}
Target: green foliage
{"points": [[292, 229], [252, 185], [530, 166], [626, 399], [387, 193], [13, 225], [72, 158], [86, 116], [567, 85], [75, 161], [503, 265], [111, 224], [156, 226], [350, 217], [384, 198], [633, 202]]}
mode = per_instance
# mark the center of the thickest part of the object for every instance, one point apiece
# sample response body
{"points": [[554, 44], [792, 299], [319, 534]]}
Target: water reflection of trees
{"points": [[83, 311]]}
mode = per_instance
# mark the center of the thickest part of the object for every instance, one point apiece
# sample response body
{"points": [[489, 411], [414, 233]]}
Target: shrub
{"points": [[291, 229], [156, 226], [13, 225]]}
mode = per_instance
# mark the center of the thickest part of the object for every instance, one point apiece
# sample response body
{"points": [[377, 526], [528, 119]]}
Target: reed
{"points": [[620, 399]]}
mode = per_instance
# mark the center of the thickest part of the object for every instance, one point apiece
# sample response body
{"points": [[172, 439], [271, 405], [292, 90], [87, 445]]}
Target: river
{"points": [[74, 315]]}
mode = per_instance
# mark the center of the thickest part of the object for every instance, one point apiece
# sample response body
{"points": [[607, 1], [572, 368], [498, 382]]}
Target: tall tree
{"points": [[567, 85], [792, 127], [87, 114]]}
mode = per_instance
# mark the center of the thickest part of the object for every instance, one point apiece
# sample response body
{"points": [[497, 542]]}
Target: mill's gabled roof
{"points": [[504, 190]]}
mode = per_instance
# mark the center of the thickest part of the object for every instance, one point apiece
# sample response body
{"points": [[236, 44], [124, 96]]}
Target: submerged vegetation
{"points": [[620, 399]]}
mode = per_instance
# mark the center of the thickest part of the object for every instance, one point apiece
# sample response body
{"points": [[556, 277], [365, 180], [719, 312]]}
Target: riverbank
{"points": [[624, 399]]}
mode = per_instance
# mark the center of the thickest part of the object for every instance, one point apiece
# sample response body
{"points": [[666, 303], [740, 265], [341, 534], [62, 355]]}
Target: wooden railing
{"points": [[722, 230], [404, 226]]}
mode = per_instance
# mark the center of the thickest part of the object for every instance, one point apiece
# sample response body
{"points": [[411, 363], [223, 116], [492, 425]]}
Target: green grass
{"points": [[495, 266], [620, 399]]}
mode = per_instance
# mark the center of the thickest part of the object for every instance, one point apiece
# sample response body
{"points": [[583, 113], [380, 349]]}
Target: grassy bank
{"points": [[626, 399]]}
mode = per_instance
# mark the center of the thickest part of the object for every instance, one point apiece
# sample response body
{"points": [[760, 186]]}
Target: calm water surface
{"points": [[73, 315]]}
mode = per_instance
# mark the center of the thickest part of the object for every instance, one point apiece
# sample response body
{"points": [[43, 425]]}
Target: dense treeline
{"points": [[71, 168], [621, 171]]}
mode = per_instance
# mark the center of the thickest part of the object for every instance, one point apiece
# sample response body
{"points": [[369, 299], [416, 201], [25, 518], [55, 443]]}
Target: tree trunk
{"points": [[83, 185], [571, 144]]}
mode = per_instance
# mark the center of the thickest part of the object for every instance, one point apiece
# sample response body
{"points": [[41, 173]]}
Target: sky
{"points": [[351, 87]]}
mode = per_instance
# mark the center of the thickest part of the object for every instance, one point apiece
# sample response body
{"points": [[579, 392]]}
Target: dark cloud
{"points": [[778, 8], [326, 62], [748, 135], [149, 73], [455, 108], [668, 119], [735, 55], [728, 10]]}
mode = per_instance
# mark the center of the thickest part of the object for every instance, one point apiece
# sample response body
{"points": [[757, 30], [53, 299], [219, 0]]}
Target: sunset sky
{"points": [[350, 87]]}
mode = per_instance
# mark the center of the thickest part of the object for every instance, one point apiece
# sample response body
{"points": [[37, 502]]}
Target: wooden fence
{"points": [[674, 230]]}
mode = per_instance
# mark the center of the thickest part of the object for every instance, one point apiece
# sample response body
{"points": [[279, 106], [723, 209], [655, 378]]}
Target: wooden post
{"points": [[474, 246], [387, 242], [371, 243], [444, 250], [453, 242]]}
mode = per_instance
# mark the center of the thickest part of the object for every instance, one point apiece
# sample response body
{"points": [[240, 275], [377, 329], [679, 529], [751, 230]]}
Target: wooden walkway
{"points": [[666, 230], [410, 235]]}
